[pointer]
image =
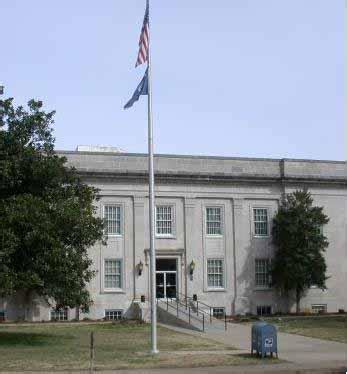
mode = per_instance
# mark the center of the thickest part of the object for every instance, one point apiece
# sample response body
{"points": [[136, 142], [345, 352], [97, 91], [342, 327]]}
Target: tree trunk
{"points": [[28, 296], [298, 297]]}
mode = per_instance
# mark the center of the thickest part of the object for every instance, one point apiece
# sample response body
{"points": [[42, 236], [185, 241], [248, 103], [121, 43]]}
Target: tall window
{"points": [[214, 221], [215, 273], [113, 274], [112, 216], [164, 220], [260, 216], [262, 276]]}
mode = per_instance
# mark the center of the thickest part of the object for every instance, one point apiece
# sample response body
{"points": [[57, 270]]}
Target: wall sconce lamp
{"points": [[191, 268], [140, 267]]}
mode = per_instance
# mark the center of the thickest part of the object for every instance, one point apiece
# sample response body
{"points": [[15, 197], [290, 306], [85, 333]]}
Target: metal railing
{"points": [[201, 308], [196, 307], [169, 303]]}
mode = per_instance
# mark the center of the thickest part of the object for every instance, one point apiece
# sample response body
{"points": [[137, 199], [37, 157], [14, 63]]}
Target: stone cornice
{"points": [[201, 178]]}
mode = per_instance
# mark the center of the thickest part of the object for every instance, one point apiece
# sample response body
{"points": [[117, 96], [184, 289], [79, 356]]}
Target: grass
{"points": [[117, 346], [323, 327]]}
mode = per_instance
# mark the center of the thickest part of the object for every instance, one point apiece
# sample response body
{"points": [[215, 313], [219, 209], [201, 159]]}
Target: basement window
{"points": [[319, 308], [2, 315], [59, 314], [218, 312], [263, 310], [113, 314]]}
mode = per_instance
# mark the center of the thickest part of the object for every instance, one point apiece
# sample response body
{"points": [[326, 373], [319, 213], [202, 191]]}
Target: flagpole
{"points": [[151, 211]]}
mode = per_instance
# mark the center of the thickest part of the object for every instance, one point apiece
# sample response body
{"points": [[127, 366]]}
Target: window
{"points": [[113, 274], [214, 221], [2, 315], [260, 216], [262, 276], [215, 273], [112, 216], [59, 314], [263, 310], [113, 314], [218, 312], [164, 220], [319, 308]]}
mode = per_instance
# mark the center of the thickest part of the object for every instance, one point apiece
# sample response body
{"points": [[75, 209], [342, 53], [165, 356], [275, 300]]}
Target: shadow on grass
{"points": [[9, 339]]}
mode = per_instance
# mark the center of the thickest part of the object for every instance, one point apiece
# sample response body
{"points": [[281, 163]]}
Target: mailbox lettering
{"points": [[268, 342]]}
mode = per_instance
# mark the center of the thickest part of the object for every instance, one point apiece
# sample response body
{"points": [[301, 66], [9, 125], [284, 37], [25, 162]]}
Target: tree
{"points": [[299, 261], [47, 213]]}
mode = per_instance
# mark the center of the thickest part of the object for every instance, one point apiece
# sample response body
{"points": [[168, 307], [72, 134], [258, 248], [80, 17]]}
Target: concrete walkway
{"points": [[301, 351]]}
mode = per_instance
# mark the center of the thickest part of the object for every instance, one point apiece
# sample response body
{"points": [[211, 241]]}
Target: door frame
{"points": [[164, 272]]}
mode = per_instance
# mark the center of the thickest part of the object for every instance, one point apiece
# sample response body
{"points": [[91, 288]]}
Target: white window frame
{"points": [[173, 221], [257, 235], [316, 308], [215, 288], [121, 219], [265, 273], [221, 222], [115, 311], [113, 289], [220, 308], [65, 312]]}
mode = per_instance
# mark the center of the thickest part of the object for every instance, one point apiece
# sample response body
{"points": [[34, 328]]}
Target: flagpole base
{"points": [[154, 351]]}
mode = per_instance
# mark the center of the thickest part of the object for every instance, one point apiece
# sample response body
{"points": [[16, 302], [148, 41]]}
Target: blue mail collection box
{"points": [[264, 339]]}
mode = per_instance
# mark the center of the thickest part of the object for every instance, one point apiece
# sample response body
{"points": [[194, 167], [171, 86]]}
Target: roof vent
{"points": [[99, 148]]}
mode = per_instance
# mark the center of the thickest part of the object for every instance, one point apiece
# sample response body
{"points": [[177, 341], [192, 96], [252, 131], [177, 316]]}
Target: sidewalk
{"points": [[300, 351]]}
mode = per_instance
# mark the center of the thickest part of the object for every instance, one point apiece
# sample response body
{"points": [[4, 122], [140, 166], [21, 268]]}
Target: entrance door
{"points": [[166, 278]]}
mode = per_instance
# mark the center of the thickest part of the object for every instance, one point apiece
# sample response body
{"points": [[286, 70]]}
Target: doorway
{"points": [[166, 278]]}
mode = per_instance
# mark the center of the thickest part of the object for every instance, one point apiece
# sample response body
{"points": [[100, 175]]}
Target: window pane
{"points": [[262, 276], [59, 314], [213, 221], [113, 271], [260, 222], [263, 310], [215, 273], [164, 220], [113, 314], [218, 312], [112, 216]]}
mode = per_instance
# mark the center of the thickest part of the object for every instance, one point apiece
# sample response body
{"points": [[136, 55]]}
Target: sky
{"points": [[239, 78]]}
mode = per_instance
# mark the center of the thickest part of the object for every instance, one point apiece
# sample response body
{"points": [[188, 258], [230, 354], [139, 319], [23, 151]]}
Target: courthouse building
{"points": [[213, 231]]}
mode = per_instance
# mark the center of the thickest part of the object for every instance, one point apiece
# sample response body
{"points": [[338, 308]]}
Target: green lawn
{"points": [[66, 346], [322, 327]]}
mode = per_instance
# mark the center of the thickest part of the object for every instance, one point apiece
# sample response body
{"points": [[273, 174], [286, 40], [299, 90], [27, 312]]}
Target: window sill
{"points": [[216, 236], [158, 236], [215, 290], [263, 288], [113, 290], [261, 236]]}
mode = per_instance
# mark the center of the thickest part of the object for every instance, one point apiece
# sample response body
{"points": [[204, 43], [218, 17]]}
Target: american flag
{"points": [[144, 39]]}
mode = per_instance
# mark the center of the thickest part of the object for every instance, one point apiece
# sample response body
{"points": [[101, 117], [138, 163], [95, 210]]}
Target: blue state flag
{"points": [[141, 89]]}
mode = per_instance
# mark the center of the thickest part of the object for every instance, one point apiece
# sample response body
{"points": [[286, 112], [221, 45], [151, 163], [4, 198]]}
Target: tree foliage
{"points": [[299, 261], [47, 213]]}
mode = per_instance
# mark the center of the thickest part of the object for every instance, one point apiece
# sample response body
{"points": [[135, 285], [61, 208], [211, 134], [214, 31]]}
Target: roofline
{"points": [[163, 155]]}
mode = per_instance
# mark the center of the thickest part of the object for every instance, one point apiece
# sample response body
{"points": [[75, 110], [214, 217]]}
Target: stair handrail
{"points": [[210, 314], [190, 315]]}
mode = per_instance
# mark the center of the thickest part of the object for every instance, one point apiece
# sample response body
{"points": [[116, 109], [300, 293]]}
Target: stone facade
{"points": [[190, 185]]}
